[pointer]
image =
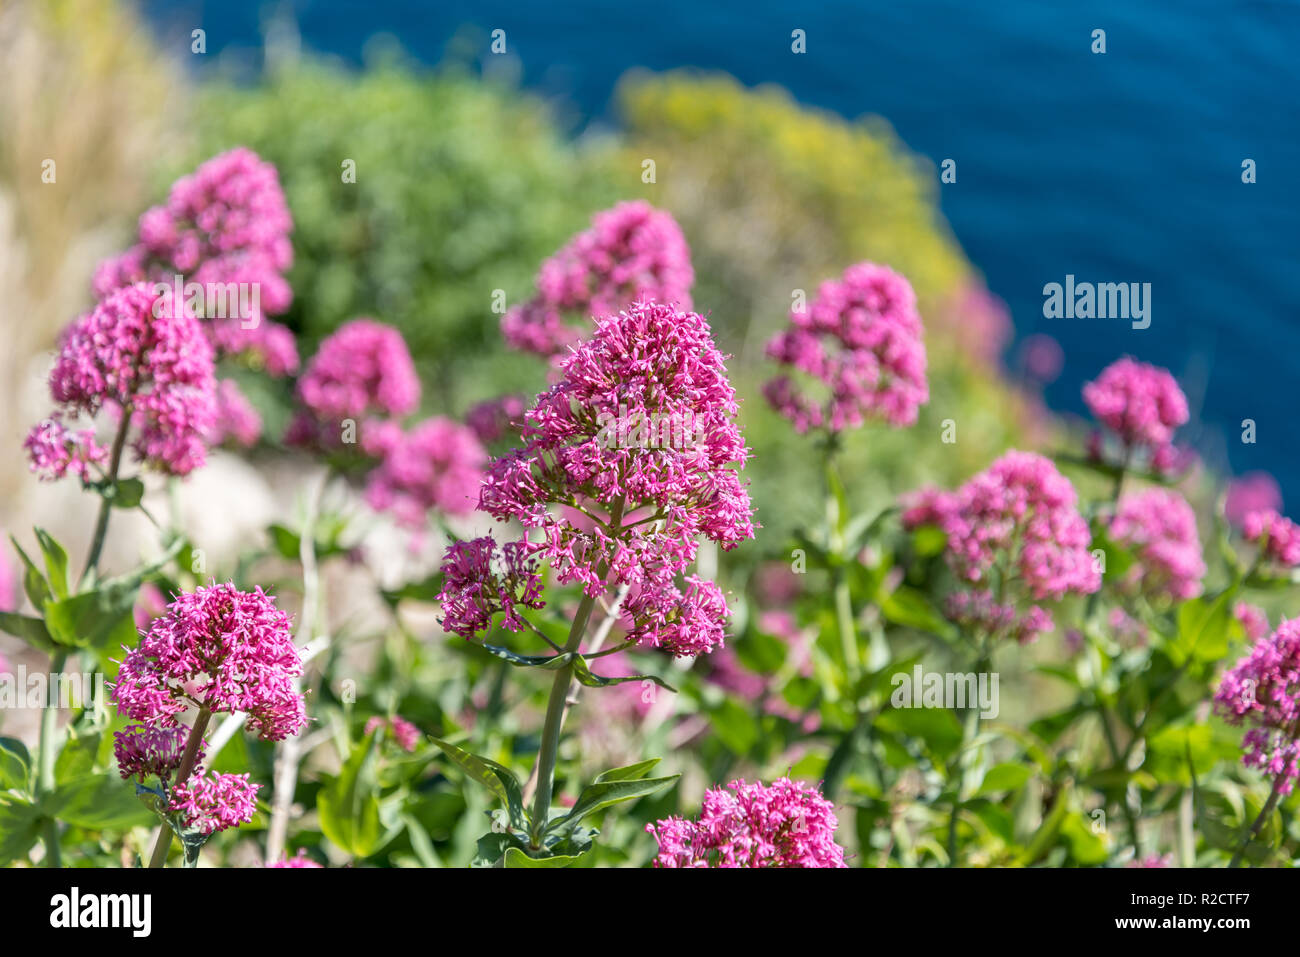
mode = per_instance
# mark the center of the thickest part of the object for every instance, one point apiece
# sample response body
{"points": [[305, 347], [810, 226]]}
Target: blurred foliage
{"points": [[462, 188]]}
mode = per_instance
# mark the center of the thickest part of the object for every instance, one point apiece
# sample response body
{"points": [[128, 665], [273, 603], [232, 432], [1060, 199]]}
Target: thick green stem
{"points": [[45, 756], [555, 710], [189, 759]]}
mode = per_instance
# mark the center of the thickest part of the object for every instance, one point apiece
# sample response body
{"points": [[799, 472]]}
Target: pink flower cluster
{"points": [[156, 368], [299, 860], [221, 649], [145, 749], [404, 733], [860, 339], [1142, 405], [1278, 537], [361, 373], [482, 579], [1014, 525], [1263, 691], [214, 802], [644, 506], [785, 824], [1160, 527], [225, 223], [436, 464], [631, 253], [1252, 492]]}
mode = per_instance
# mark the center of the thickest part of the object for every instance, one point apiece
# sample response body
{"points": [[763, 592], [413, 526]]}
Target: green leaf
{"points": [[517, 858], [1004, 777], [495, 777], [30, 630], [95, 619], [15, 765], [937, 727], [1086, 847], [585, 677], [910, 608], [19, 828], [56, 562], [128, 493], [1204, 626], [602, 794], [735, 727], [545, 662], [631, 772], [348, 805], [96, 802], [34, 583]]}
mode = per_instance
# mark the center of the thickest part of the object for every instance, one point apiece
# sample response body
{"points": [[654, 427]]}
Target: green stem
{"points": [[45, 756], [969, 732], [1273, 797], [106, 503], [555, 709], [557, 704], [1121, 762], [188, 760]]}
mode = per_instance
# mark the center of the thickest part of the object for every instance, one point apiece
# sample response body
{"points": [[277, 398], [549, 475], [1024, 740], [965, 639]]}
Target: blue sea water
{"points": [[1117, 167]]}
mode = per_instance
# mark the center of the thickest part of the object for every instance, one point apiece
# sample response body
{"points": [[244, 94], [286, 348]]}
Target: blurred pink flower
{"points": [[1251, 492]]}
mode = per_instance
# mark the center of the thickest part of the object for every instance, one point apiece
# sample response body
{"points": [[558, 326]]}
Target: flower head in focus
{"points": [[638, 438], [220, 649], [784, 824], [860, 341], [130, 358], [631, 253]]}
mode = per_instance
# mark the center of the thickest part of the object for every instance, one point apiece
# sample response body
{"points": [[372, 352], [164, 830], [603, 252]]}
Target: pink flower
{"points": [[225, 227], [361, 372], [438, 464], [223, 650], [1127, 630], [860, 338], [1262, 691], [237, 420], [299, 860], [631, 253], [1252, 492], [1141, 403], [642, 424], [145, 749], [1254, 622], [786, 824], [404, 733], [1015, 525], [121, 356], [1278, 538], [1160, 527], [482, 579], [214, 802]]}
